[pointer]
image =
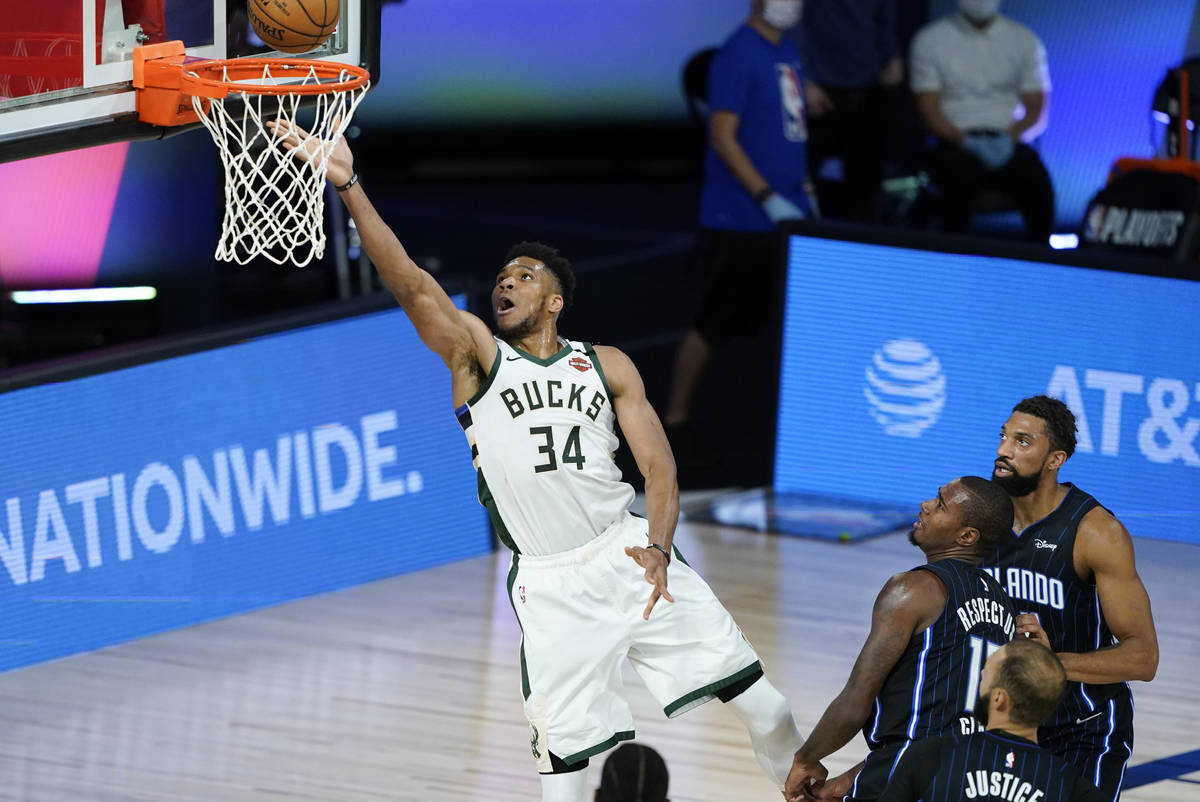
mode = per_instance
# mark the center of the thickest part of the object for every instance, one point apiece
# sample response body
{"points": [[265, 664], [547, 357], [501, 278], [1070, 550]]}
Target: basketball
{"points": [[293, 26]]}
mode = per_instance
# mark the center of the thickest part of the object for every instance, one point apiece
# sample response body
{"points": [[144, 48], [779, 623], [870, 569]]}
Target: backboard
{"points": [[66, 65]]}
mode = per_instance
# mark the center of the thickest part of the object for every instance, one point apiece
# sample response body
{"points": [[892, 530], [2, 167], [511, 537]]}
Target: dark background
{"points": [[500, 120]]}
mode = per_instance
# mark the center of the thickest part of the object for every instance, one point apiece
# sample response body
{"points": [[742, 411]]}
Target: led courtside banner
{"points": [[900, 365], [182, 490]]}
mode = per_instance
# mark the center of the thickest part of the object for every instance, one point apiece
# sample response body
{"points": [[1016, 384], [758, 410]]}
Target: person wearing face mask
{"points": [[982, 89], [755, 177], [1020, 685]]}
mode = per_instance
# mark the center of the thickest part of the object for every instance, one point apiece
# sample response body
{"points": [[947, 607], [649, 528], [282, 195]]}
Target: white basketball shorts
{"points": [[581, 615]]}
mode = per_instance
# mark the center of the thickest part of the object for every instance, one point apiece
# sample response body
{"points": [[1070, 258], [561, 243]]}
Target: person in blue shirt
{"points": [[755, 177]]}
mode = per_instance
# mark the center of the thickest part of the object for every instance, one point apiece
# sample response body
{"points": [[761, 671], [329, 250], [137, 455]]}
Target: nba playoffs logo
{"points": [[905, 388]]}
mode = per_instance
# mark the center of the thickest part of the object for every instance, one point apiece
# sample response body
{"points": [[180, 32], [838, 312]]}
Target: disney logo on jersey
{"points": [[580, 364], [905, 388], [1038, 543]]}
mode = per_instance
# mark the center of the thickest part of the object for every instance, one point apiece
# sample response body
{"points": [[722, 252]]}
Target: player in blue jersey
{"points": [[931, 630], [1020, 686], [1071, 567]]}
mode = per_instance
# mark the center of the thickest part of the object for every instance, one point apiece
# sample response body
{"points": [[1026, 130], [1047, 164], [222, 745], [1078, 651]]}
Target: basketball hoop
{"points": [[274, 203]]}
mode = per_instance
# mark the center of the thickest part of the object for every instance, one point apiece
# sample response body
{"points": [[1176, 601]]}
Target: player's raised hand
{"points": [[303, 145], [655, 563]]}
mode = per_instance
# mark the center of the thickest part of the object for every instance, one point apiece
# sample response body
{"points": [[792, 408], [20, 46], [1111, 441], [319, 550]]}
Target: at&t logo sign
{"points": [[905, 388]]}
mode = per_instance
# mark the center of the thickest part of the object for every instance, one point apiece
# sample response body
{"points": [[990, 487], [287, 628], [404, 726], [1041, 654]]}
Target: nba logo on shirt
{"points": [[521, 590], [1009, 760], [792, 97]]}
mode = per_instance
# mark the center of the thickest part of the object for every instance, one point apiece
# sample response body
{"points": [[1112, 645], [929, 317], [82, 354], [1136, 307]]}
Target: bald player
{"points": [[1020, 686]]}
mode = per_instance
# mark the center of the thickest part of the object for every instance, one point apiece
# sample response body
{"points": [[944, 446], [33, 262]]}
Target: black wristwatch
{"points": [[665, 553]]}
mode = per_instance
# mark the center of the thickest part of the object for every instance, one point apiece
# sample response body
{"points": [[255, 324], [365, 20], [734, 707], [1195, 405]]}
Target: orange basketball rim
{"points": [[274, 202]]}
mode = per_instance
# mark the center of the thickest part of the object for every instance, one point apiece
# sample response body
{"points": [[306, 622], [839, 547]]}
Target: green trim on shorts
{"points": [[626, 735], [512, 580], [693, 699]]}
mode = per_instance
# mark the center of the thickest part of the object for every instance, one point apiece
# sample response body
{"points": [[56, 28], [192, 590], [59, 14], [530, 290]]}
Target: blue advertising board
{"points": [[900, 365], [196, 487]]}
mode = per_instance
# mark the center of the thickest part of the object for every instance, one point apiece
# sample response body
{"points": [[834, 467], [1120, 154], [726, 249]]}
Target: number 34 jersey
{"points": [[542, 442]]}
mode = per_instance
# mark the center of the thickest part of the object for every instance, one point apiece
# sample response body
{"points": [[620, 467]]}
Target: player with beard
{"points": [[539, 412], [1071, 567], [931, 629], [1020, 685]]}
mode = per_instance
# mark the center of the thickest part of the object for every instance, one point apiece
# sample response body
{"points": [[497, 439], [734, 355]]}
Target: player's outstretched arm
{"points": [[457, 336], [908, 603], [1105, 549], [648, 442]]}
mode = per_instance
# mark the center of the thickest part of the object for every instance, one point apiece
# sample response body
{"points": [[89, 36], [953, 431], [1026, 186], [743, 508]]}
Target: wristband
{"points": [[665, 553], [353, 180], [763, 194]]}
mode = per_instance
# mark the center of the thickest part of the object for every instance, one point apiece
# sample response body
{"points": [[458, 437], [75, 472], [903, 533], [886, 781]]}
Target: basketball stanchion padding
{"points": [[274, 203]]}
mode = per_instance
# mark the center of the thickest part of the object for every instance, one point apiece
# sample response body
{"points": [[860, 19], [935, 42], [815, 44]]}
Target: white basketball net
{"points": [[275, 202]]}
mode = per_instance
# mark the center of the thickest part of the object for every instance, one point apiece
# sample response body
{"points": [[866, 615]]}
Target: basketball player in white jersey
{"points": [[539, 411]]}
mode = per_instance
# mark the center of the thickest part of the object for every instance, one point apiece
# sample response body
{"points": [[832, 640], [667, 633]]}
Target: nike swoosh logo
{"points": [[512, 359], [1089, 718]]}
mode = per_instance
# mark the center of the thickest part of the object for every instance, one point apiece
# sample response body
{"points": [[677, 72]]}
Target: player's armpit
{"points": [[1104, 551]]}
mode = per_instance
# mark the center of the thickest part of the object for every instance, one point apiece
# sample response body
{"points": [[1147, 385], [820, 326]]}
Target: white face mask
{"points": [[979, 10], [782, 14]]}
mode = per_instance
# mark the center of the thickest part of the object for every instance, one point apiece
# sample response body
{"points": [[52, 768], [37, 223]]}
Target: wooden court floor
{"points": [[408, 688]]}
